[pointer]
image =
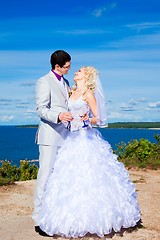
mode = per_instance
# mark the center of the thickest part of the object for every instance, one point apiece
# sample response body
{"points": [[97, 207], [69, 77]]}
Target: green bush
{"points": [[10, 173], [140, 153], [27, 171]]}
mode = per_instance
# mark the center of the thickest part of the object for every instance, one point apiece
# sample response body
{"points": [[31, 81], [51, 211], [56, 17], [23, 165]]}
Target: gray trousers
{"points": [[47, 157]]}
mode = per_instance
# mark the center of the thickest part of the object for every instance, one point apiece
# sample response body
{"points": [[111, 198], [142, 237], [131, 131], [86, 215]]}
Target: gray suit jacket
{"points": [[51, 99]]}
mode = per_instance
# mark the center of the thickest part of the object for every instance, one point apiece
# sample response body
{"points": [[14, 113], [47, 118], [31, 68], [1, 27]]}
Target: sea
{"points": [[18, 143]]}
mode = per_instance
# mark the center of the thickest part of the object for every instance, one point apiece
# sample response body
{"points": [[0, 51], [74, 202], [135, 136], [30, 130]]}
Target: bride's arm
{"points": [[90, 99]]}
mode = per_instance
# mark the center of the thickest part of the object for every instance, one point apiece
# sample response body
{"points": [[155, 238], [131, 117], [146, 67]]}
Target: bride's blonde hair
{"points": [[90, 79]]}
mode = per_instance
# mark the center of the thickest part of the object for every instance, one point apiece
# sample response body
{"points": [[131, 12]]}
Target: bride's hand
{"points": [[85, 117], [65, 117]]}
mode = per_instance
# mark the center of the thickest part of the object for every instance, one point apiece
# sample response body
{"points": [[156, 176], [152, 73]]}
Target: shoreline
{"points": [[153, 128], [31, 160]]}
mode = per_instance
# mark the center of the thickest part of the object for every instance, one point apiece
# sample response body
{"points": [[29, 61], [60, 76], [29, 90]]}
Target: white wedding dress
{"points": [[89, 190]]}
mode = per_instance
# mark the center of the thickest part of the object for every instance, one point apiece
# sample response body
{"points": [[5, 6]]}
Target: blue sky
{"points": [[120, 38]]}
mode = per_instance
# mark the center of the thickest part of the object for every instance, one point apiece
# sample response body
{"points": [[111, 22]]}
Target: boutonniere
{"points": [[69, 91]]}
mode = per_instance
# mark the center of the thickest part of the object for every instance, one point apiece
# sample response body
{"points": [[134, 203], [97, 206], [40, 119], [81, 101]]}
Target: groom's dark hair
{"points": [[59, 57]]}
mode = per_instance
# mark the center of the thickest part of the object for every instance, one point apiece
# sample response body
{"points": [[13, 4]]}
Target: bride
{"points": [[89, 190]]}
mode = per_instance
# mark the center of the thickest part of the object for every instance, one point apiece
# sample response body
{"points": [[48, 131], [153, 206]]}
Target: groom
{"points": [[52, 108]]}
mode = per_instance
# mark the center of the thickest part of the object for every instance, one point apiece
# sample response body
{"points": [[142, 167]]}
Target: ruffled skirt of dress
{"points": [[89, 190]]}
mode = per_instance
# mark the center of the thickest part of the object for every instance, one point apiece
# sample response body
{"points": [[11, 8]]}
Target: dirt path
{"points": [[16, 205]]}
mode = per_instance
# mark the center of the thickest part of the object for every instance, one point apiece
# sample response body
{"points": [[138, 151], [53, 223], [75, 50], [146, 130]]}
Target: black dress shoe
{"points": [[38, 230]]}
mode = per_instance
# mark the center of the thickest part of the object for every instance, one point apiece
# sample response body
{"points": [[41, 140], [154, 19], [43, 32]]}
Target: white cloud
{"points": [[154, 105], [100, 11], [6, 118], [21, 106], [137, 41], [5, 100], [83, 31], [116, 116], [30, 111], [126, 107], [28, 84], [142, 99], [144, 25], [132, 102], [31, 117]]}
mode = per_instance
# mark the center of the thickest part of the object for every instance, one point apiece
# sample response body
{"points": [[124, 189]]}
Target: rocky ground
{"points": [[16, 205]]}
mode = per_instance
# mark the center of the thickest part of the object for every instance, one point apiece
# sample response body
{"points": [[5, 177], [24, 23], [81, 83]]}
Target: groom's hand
{"points": [[65, 117]]}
